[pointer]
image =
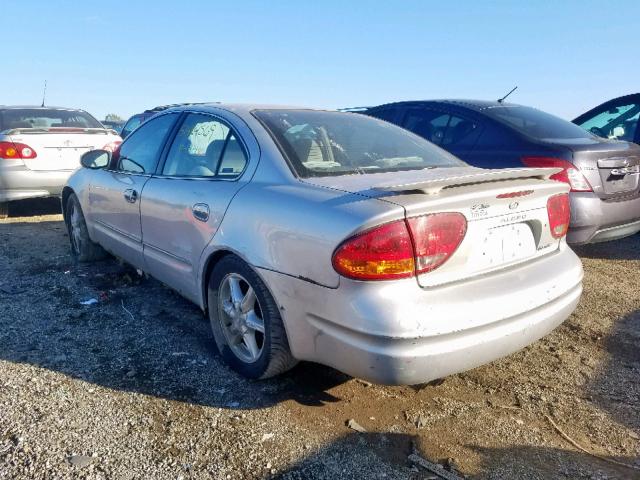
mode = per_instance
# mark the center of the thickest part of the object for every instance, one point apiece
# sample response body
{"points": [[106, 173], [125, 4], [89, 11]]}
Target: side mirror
{"points": [[95, 159]]}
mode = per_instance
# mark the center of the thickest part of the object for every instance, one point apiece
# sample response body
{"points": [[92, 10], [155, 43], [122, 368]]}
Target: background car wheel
{"points": [[246, 322], [4, 210], [82, 248]]}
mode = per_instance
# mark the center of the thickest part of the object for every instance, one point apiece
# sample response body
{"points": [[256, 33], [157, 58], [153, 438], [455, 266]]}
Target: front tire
{"points": [[83, 249], [246, 323]]}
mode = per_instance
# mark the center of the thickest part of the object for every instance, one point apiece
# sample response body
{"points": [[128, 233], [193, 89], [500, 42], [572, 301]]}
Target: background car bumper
{"points": [[398, 333], [593, 220], [21, 183]]}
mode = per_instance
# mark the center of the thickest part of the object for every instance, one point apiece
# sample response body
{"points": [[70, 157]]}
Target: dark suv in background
{"points": [[602, 173]]}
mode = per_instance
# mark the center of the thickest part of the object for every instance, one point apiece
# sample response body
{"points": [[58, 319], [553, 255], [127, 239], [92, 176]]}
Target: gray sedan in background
{"points": [[331, 237], [41, 146]]}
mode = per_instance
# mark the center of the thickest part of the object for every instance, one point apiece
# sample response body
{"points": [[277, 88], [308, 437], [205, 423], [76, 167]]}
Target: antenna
{"points": [[44, 93], [500, 100]]}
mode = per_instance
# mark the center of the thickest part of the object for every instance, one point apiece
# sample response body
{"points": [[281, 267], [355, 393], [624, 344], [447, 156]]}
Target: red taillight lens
{"points": [[569, 174], [401, 249], [16, 151], [382, 253], [112, 146], [559, 213], [435, 238]]}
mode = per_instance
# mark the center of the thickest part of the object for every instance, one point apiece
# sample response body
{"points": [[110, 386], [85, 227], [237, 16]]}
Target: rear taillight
{"points": [[559, 213], [435, 238], [401, 249], [569, 174], [112, 146], [16, 151]]}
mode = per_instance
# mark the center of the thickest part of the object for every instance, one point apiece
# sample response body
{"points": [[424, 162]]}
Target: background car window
{"points": [[46, 118], [388, 114], [140, 152], [199, 146], [130, 126], [440, 128], [619, 122]]}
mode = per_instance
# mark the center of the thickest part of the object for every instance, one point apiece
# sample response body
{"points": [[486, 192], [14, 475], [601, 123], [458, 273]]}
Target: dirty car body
{"points": [[386, 257], [41, 146]]}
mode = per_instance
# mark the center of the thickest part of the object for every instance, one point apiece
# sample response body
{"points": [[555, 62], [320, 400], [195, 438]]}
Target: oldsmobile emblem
{"points": [[513, 205]]}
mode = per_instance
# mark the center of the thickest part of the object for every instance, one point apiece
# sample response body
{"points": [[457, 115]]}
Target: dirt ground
{"points": [[132, 386]]}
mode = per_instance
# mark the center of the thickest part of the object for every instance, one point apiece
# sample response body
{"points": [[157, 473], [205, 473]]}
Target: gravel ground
{"points": [[132, 387]]}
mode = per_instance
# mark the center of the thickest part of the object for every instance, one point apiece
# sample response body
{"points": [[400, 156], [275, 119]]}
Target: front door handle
{"points": [[201, 211], [130, 195]]}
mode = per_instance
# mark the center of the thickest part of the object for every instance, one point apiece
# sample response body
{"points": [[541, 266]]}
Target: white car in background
{"points": [[41, 146]]}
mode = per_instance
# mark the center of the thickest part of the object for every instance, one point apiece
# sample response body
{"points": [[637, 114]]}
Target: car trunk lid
{"points": [[506, 212], [612, 168], [60, 148]]}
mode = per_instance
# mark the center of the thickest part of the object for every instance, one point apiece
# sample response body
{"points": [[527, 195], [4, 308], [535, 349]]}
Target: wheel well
{"points": [[66, 192], [212, 261]]}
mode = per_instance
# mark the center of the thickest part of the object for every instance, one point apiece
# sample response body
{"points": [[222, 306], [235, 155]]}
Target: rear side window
{"points": [[618, 122], [205, 147], [538, 125], [140, 152], [46, 118], [441, 128]]}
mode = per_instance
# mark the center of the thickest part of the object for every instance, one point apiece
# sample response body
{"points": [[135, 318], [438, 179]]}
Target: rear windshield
{"points": [[46, 118], [319, 143], [539, 125]]}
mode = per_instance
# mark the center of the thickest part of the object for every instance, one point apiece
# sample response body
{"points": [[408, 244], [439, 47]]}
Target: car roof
{"points": [[38, 107], [239, 108], [632, 97], [476, 105]]}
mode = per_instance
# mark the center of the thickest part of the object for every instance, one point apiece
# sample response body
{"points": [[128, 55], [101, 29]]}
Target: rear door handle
{"points": [[201, 211], [130, 195]]}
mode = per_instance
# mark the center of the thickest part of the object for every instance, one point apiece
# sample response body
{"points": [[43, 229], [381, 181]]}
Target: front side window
{"points": [[140, 152], [46, 118], [205, 147], [618, 122], [319, 143], [539, 125]]}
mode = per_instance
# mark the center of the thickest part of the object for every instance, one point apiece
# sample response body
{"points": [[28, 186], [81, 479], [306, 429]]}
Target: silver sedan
{"points": [[331, 237]]}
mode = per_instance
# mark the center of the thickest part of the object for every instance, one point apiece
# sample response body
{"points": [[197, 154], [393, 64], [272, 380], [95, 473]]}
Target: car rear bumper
{"points": [[399, 333], [18, 183], [593, 220]]}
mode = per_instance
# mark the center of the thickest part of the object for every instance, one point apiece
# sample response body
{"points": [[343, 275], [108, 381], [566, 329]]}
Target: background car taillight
{"points": [[16, 151], [401, 249], [559, 213], [112, 146], [569, 174]]}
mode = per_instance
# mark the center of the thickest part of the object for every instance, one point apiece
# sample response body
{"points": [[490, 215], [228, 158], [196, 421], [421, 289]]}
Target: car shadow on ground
{"points": [[623, 249], [34, 207], [140, 336]]}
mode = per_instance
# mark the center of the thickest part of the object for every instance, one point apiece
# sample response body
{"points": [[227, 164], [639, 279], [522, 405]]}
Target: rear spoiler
{"points": [[432, 187], [18, 131]]}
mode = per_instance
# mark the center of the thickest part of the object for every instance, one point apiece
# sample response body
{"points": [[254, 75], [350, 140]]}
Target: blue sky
{"points": [[123, 57]]}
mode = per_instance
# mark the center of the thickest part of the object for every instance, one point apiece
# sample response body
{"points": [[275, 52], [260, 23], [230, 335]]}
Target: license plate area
{"points": [[505, 244], [622, 179]]}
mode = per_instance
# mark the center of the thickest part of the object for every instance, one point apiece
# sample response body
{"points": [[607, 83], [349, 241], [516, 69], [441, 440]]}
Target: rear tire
{"points": [[4, 210], [83, 249], [246, 322]]}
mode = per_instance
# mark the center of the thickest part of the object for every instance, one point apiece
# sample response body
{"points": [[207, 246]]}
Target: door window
{"points": [[140, 151], [205, 147], [441, 128], [618, 122]]}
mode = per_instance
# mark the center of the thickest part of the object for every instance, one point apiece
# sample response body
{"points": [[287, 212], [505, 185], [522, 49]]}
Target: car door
{"points": [[616, 120], [114, 193], [183, 205]]}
